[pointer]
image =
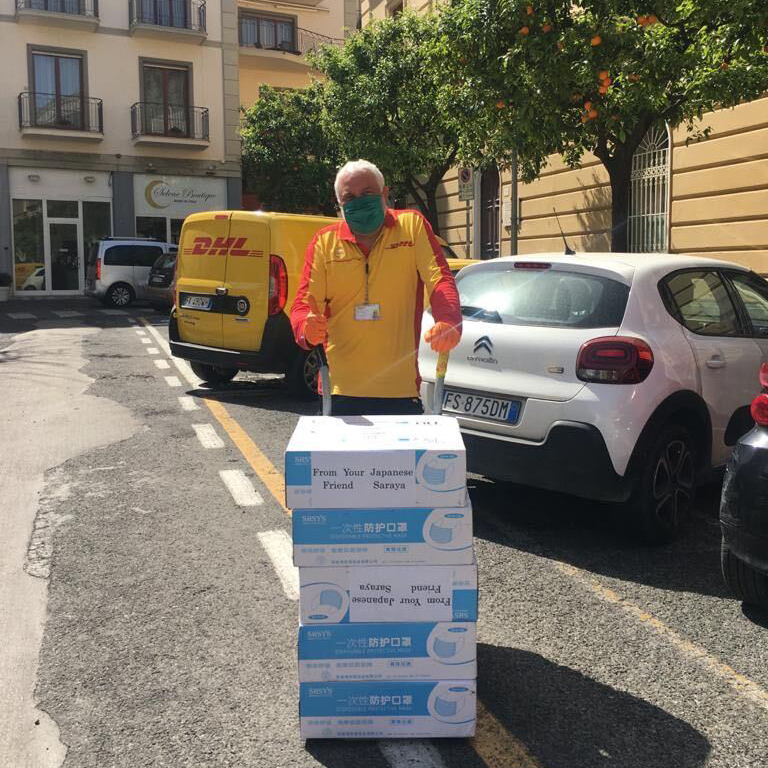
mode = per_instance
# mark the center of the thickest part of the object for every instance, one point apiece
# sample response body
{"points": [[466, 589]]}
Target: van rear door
{"points": [[247, 281], [200, 271]]}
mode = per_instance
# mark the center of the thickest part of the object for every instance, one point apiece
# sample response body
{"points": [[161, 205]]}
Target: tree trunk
{"points": [[426, 199], [619, 172]]}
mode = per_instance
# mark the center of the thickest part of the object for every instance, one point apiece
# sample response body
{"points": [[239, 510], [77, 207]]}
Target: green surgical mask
{"points": [[364, 214]]}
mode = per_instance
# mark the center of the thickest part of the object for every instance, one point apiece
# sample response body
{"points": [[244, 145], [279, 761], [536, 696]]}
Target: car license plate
{"points": [[196, 302], [495, 408]]}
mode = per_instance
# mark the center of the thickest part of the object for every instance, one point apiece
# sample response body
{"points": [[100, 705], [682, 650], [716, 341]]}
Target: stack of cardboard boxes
{"points": [[382, 536]]}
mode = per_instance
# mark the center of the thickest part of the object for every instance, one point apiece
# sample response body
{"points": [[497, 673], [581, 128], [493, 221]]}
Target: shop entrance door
{"points": [[64, 256]]}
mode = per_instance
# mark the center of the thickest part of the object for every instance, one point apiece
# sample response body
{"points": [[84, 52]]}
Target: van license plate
{"points": [[196, 302], [494, 408]]}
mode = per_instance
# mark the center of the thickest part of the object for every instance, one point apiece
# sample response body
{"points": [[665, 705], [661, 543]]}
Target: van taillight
{"points": [[759, 410], [98, 268], [278, 285], [614, 360]]}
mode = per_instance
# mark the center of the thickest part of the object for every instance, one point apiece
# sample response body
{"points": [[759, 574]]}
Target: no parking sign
{"points": [[466, 184]]}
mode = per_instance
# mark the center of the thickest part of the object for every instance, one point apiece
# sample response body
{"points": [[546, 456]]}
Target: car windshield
{"points": [[166, 261], [542, 297]]}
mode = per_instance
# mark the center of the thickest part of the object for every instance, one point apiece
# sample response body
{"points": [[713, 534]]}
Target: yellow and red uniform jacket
{"points": [[376, 358]]}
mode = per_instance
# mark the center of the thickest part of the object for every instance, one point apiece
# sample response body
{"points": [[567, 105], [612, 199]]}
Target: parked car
{"points": [[118, 268], [236, 278], [744, 508], [161, 282], [619, 377], [36, 281]]}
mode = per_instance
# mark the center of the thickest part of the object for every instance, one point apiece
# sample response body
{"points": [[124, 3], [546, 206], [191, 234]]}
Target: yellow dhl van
{"points": [[236, 278]]}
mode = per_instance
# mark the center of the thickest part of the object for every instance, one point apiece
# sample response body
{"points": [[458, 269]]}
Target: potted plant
{"points": [[5, 286]]}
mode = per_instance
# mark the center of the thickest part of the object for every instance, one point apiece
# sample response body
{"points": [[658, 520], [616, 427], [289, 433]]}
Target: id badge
{"points": [[367, 312]]}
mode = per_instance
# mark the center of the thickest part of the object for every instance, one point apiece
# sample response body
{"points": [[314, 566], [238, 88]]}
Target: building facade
{"points": [[120, 117], [275, 37], [708, 198]]}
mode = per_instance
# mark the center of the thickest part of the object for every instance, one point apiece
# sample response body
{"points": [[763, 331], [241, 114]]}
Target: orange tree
{"points": [[379, 103], [527, 79], [289, 162]]}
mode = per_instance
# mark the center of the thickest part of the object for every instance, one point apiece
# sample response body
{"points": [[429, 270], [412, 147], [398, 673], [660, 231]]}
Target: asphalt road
{"points": [[164, 630]]}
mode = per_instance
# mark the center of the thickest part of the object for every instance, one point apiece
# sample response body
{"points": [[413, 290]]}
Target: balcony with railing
{"points": [[179, 125], [164, 18], [63, 13], [56, 115], [264, 37]]}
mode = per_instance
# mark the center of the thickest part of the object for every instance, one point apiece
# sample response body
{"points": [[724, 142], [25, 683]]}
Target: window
{"points": [[60, 6], [699, 300], [648, 194], [58, 90], [151, 226], [489, 212], [164, 13], [277, 33], [395, 10], [551, 298], [62, 209], [176, 225], [166, 100], [28, 245], [132, 255], [753, 291]]}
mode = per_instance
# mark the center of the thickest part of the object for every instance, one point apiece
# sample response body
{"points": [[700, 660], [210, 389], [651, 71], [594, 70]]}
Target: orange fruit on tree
{"points": [[642, 20], [587, 105], [603, 74], [584, 118], [546, 28], [524, 30], [651, 20], [606, 81], [592, 114], [529, 10], [596, 40], [500, 104], [603, 89]]}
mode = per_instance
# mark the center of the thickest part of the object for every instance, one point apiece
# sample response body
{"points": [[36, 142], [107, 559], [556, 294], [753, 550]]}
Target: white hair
{"points": [[355, 166]]}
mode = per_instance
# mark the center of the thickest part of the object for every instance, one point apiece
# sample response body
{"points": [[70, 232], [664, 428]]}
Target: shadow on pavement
{"points": [[568, 720], [593, 536], [755, 614]]}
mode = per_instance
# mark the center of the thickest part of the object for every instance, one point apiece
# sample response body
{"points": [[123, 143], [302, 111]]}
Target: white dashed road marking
{"points": [[153, 350], [140, 331], [22, 316], [162, 364], [67, 313], [280, 550], [112, 311], [183, 366], [188, 403], [241, 488], [145, 340], [410, 753], [207, 436], [173, 381]]}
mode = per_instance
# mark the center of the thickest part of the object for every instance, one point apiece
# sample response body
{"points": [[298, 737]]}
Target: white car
{"points": [[619, 377]]}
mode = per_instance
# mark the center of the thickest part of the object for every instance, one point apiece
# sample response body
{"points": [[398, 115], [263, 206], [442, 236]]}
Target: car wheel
{"points": [[119, 295], [302, 376], [212, 375], [663, 497], [746, 583]]}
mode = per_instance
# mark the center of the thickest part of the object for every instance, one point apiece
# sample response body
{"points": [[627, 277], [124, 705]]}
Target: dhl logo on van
{"points": [[221, 246]]}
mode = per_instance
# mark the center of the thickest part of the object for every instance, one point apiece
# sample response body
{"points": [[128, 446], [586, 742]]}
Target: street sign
{"points": [[466, 184]]}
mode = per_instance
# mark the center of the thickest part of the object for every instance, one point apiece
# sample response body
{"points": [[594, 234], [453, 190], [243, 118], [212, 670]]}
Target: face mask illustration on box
{"points": [[436, 472], [447, 529], [451, 644], [327, 602], [451, 703]]}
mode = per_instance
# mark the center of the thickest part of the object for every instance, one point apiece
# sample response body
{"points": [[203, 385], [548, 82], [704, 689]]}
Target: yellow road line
{"points": [[496, 747], [741, 684], [261, 465]]}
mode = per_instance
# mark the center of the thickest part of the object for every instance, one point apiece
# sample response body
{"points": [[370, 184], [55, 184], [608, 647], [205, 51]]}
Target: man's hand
{"points": [[316, 324], [443, 337]]}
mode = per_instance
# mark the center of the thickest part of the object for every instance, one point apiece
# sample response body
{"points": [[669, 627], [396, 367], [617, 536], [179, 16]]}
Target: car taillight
{"points": [[764, 376], [614, 360], [98, 268], [759, 410], [531, 265], [278, 285]]}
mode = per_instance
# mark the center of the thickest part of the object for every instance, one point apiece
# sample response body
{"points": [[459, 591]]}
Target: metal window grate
{"points": [[649, 193]]}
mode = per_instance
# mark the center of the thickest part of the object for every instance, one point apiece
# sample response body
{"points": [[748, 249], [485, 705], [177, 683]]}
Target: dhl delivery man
{"points": [[361, 294]]}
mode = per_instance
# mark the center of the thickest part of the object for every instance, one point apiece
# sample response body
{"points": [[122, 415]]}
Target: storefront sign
{"points": [[177, 196]]}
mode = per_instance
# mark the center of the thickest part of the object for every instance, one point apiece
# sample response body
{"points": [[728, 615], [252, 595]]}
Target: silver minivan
{"points": [[118, 268]]}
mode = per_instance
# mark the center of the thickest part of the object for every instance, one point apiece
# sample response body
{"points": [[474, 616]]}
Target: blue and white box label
{"points": [[412, 651], [387, 594], [407, 709], [375, 462], [382, 536]]}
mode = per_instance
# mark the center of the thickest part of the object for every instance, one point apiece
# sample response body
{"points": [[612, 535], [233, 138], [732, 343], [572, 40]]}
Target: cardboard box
{"points": [[377, 594], [369, 710], [375, 462], [403, 651], [382, 536]]}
